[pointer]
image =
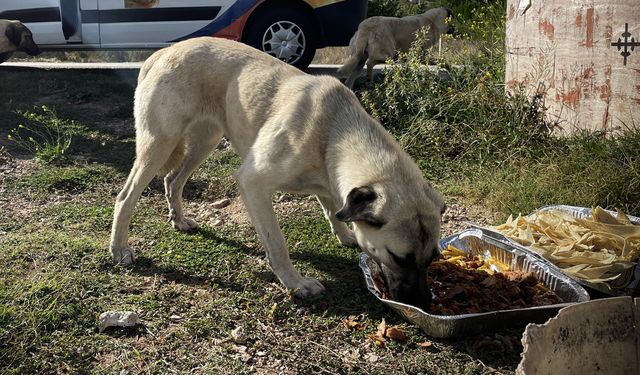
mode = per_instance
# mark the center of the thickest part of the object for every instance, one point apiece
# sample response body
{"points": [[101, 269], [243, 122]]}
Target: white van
{"points": [[290, 30]]}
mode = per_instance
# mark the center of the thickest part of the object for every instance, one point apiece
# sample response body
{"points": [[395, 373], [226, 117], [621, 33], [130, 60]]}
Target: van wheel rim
{"points": [[285, 41]]}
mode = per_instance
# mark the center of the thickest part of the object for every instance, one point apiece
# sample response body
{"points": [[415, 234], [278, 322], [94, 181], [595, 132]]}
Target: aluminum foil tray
{"points": [[476, 242], [632, 289]]}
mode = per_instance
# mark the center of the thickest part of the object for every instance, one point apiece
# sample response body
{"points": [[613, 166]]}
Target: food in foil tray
{"points": [[602, 249], [464, 284]]}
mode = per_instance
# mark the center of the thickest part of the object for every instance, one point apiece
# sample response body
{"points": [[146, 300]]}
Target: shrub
{"points": [[458, 114], [484, 144]]}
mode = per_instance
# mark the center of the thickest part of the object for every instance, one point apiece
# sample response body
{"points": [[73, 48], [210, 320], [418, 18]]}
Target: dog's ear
{"points": [[14, 34], [359, 207], [436, 198], [449, 12]]}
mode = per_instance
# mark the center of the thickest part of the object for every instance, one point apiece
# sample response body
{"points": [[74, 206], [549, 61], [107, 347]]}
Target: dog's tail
{"points": [[357, 54]]}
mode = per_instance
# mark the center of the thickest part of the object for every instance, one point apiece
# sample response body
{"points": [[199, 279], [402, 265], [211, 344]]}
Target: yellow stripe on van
{"points": [[321, 3]]}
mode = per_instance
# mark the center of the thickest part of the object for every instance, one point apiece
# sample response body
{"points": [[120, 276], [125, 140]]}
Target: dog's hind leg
{"points": [[370, 65], [355, 73], [198, 146], [338, 228], [255, 182], [151, 154]]}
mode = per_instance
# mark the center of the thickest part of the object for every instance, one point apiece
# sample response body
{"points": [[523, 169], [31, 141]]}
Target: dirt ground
{"points": [[192, 290]]}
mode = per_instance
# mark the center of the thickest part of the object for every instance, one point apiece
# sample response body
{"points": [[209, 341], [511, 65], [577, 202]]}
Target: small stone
{"points": [[221, 203], [302, 311], [117, 319], [372, 358], [238, 335]]}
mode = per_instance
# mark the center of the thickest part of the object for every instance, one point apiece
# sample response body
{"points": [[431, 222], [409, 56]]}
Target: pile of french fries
{"points": [[602, 249], [458, 257]]}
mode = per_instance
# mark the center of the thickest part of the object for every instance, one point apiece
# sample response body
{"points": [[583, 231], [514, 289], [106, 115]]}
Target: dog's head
{"points": [[21, 37], [442, 19], [399, 228], [448, 21]]}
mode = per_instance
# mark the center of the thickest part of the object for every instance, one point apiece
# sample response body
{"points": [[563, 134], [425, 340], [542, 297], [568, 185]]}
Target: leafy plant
{"points": [[44, 134], [458, 114]]}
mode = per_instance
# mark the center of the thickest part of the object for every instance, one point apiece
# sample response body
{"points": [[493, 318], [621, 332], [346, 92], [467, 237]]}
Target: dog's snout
{"points": [[29, 47], [32, 50], [408, 286], [451, 30], [415, 296]]}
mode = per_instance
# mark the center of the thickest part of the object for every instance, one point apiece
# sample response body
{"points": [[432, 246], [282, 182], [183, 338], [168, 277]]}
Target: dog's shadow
{"points": [[345, 290], [147, 266], [345, 294]]}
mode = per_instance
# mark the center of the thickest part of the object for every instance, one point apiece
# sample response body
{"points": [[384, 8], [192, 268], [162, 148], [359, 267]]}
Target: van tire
{"points": [[298, 47]]}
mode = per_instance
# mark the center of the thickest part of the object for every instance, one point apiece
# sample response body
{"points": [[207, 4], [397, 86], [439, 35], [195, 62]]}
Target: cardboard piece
{"points": [[595, 337]]}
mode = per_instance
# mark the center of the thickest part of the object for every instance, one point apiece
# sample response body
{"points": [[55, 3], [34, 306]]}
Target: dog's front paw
{"points": [[184, 225], [308, 287], [123, 256]]}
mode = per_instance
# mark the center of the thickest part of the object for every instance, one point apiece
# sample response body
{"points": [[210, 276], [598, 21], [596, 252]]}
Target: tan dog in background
{"points": [[295, 132], [14, 36], [380, 38]]}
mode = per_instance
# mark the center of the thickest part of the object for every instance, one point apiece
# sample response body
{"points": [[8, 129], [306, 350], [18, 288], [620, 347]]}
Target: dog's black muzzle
{"points": [[408, 286], [29, 47], [451, 30]]}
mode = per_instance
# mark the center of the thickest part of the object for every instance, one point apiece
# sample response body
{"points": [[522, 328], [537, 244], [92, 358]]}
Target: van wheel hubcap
{"points": [[285, 41]]}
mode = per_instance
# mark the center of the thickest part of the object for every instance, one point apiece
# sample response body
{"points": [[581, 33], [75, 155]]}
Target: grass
{"points": [[191, 290], [69, 179], [584, 170]]}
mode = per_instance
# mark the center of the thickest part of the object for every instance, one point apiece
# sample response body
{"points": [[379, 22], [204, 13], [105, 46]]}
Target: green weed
{"points": [[454, 116], [44, 134], [394, 8]]}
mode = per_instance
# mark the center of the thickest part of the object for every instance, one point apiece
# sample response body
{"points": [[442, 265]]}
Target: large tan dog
{"points": [[14, 36], [294, 132], [379, 38]]}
